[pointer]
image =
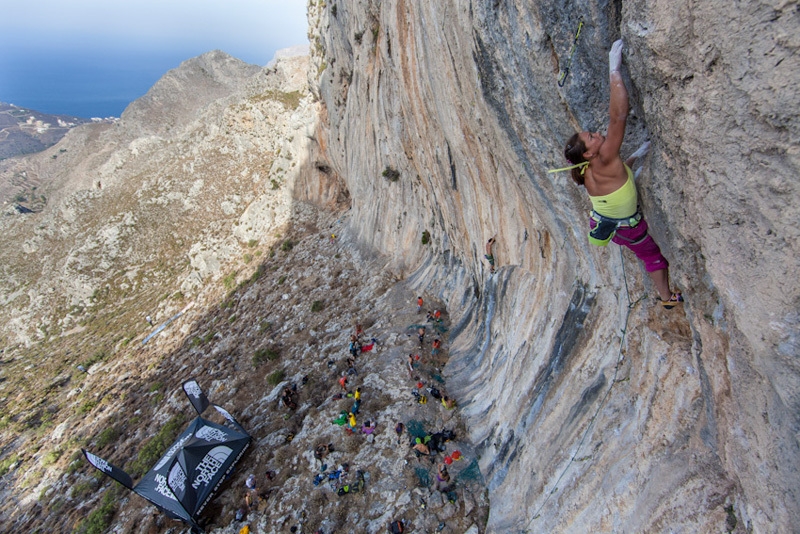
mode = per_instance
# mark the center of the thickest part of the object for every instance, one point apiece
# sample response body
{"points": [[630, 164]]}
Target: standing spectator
{"points": [[419, 304], [489, 256], [442, 478]]}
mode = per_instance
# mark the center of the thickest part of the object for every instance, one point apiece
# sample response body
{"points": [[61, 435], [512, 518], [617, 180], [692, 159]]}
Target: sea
{"points": [[88, 84]]}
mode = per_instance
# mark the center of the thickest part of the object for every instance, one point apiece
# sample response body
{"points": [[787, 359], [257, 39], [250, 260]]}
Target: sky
{"points": [[91, 58]]}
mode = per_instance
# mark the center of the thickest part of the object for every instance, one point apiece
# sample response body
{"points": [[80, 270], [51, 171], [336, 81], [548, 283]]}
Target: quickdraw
{"points": [[562, 77]]}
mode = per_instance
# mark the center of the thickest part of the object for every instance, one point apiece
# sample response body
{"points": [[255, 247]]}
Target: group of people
{"points": [[347, 418]]}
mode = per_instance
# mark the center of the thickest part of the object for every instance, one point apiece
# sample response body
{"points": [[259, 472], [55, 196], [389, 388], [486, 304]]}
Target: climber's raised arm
{"points": [[618, 107], [596, 164]]}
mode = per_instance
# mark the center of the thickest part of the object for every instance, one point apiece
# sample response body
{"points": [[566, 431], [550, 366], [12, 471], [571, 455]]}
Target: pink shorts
{"points": [[639, 241]]}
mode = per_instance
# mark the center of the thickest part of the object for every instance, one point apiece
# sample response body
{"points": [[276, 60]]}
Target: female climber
{"points": [[597, 165]]}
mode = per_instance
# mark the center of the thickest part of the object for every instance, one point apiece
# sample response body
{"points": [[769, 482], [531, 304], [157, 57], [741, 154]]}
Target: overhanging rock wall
{"points": [[589, 418]]}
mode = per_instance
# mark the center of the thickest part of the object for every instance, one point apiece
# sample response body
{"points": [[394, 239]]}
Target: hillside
{"points": [[188, 211]]}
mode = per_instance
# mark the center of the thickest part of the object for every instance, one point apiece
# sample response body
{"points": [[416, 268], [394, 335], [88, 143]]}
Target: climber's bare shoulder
{"points": [[605, 177]]}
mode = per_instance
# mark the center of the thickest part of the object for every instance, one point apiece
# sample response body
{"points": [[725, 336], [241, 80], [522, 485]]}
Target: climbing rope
{"points": [[620, 357], [562, 77]]}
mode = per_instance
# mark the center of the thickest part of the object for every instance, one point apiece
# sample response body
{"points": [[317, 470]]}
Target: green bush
{"points": [[391, 174], [98, 356], [230, 281], [317, 305], [99, 520], [259, 272], [157, 446], [287, 245], [426, 237], [51, 457], [5, 465], [252, 243], [76, 462], [84, 488], [87, 407], [264, 354], [281, 280], [275, 377], [107, 436]]}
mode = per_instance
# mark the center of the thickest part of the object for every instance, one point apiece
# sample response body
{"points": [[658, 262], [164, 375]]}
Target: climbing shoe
{"points": [[675, 300]]}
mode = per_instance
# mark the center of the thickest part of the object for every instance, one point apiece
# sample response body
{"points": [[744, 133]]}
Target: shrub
{"points": [[157, 446], [248, 258], [5, 465], [51, 457], [426, 237], [230, 281], [75, 463], [281, 280], [87, 407], [99, 520], [252, 243], [287, 245], [275, 377], [84, 488], [317, 306], [259, 272], [98, 356], [264, 354], [391, 174]]}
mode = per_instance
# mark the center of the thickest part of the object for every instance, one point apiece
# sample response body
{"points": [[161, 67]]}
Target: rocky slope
{"points": [[593, 408], [184, 214]]}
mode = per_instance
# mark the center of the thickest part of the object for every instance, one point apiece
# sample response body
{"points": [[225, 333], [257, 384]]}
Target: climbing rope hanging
{"points": [[562, 77], [620, 357]]}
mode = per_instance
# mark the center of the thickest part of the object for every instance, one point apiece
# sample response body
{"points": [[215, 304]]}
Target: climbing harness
{"points": [[620, 358], [562, 78], [606, 227]]}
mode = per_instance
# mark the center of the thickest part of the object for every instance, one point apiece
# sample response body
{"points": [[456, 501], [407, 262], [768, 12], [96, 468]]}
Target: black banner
{"points": [[109, 469], [196, 396]]}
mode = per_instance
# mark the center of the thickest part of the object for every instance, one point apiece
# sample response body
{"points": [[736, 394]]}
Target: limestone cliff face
{"points": [[442, 117]]}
